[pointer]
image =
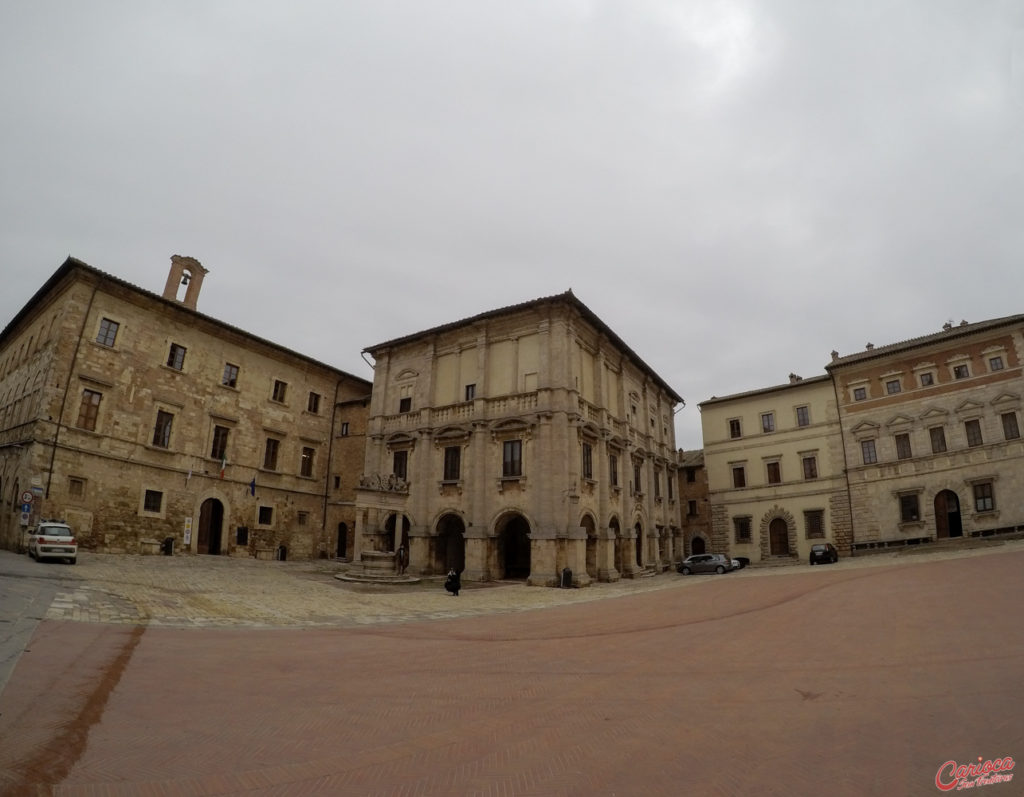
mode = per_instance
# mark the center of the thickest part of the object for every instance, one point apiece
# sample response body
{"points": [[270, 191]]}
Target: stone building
{"points": [[138, 419], [693, 498], [521, 443], [775, 470], [931, 433]]}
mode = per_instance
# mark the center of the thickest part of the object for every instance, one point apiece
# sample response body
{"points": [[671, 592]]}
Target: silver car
{"points": [[705, 563], [52, 540]]}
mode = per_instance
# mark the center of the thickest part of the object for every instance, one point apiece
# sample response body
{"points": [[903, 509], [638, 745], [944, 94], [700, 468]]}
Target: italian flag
{"points": [[223, 465]]}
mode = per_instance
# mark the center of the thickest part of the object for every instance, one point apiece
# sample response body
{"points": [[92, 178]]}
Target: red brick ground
{"points": [[824, 681]]}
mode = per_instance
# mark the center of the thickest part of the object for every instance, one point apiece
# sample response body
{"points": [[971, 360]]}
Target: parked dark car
{"points": [[823, 553], [705, 563]]}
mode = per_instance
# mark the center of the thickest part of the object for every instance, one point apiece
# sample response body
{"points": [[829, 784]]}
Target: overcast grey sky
{"points": [[736, 188]]}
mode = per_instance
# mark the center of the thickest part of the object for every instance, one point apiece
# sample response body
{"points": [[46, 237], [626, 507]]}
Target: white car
{"points": [[52, 539]]}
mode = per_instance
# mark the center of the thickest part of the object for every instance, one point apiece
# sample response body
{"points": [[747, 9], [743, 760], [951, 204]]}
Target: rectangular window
{"points": [[512, 459], [153, 501], [337, 482], [739, 476], [302, 518], [741, 528], [734, 428], [176, 357], [860, 393], [405, 404], [230, 377], [671, 489], [266, 515], [927, 379], [691, 475], [1010, 429], [400, 464], [108, 332], [803, 416], [220, 443], [89, 410], [613, 470], [452, 463], [768, 422], [774, 473], [984, 501], [242, 535], [814, 524], [867, 450], [995, 364], [909, 510], [903, 446], [810, 467], [691, 508], [961, 372], [637, 486], [470, 392], [162, 429], [76, 487], [344, 428], [938, 436], [306, 462], [588, 461], [280, 390], [973, 429], [270, 454], [892, 386], [657, 484], [313, 405]]}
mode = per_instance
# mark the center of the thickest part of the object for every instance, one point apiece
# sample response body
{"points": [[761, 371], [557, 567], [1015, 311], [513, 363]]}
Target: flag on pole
{"points": [[223, 464], [188, 477], [252, 486]]}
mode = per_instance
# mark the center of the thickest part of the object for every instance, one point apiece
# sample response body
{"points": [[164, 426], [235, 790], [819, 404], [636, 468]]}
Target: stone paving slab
{"points": [[856, 679]]}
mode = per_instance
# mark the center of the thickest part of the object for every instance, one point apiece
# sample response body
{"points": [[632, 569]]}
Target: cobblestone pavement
{"points": [[207, 676], [209, 591]]}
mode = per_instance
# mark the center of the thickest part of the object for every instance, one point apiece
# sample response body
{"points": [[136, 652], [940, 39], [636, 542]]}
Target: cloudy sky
{"points": [[736, 188]]}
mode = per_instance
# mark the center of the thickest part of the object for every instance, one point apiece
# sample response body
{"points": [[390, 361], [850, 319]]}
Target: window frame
{"points": [[973, 431], [229, 377], [271, 453], [803, 416], [219, 442], [904, 449], [587, 460], [400, 463], [451, 471], [773, 471], [868, 452], [739, 476], [742, 529], [176, 357], [984, 496], [313, 403], [812, 471], [735, 428], [156, 495], [307, 459], [767, 422], [88, 410], [108, 329], [162, 429], [910, 508], [1011, 429], [279, 391], [814, 524], [937, 437]]}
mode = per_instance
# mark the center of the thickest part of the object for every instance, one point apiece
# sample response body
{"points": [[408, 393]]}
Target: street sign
{"points": [[26, 497], [24, 518], [26, 508]]}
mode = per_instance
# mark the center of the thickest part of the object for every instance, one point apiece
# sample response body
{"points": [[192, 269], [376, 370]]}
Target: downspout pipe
{"points": [[846, 467], [67, 388]]}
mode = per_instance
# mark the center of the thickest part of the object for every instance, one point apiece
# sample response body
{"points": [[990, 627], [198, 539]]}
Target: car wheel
{"points": [[811, 561], [719, 570], [685, 571]]}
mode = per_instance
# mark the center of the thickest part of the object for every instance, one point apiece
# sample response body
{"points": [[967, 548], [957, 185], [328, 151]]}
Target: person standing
{"points": [[453, 583]]}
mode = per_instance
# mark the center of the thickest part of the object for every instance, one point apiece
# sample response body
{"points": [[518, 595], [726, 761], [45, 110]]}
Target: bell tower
{"points": [[184, 281]]}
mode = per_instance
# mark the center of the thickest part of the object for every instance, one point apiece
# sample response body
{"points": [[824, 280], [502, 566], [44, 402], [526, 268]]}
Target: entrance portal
{"points": [[342, 549], [639, 545], [697, 545], [948, 522], [514, 548], [450, 553], [211, 520], [778, 537], [591, 551]]}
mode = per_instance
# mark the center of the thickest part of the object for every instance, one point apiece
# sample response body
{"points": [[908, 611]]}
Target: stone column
{"points": [[576, 556], [606, 570], [479, 564], [543, 555]]}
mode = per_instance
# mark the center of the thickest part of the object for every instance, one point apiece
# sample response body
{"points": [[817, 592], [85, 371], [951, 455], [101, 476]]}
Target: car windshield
{"points": [[55, 531]]}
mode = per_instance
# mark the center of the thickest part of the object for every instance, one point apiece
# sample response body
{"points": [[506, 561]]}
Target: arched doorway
{"points": [[390, 543], [211, 521], [342, 549], [616, 543], [948, 522], [639, 530], [778, 537], [697, 545], [588, 524], [514, 548], [450, 551]]}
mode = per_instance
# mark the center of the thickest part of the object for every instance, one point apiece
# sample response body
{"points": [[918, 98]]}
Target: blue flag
{"points": [[252, 486]]}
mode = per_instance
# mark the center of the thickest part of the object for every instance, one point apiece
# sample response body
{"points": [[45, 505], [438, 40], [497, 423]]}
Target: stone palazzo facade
{"points": [[140, 420], [523, 443], [902, 444]]}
